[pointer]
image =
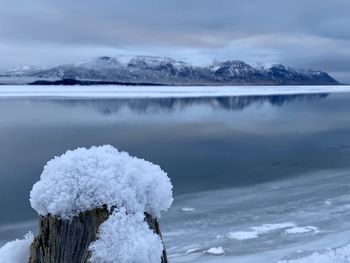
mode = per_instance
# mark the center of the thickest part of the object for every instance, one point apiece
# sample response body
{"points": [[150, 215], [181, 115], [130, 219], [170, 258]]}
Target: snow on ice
{"points": [[338, 255], [187, 209], [302, 230], [243, 235], [216, 251], [114, 91]]}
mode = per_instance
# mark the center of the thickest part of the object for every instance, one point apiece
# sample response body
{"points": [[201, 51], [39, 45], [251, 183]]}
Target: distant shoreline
{"points": [[76, 82]]}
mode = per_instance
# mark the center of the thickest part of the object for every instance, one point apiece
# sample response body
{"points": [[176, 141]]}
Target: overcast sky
{"points": [[300, 33]]}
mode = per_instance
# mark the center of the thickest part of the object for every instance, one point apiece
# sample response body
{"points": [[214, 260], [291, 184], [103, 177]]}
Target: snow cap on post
{"points": [[84, 179]]}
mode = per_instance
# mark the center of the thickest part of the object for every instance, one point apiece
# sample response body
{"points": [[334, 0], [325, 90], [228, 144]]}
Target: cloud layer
{"points": [[299, 33]]}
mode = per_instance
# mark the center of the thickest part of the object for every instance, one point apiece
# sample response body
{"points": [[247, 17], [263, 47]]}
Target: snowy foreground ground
{"points": [[301, 219], [305, 219], [159, 91]]}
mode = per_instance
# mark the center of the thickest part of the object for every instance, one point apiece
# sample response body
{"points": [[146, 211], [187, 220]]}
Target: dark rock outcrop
{"points": [[71, 82], [68, 241]]}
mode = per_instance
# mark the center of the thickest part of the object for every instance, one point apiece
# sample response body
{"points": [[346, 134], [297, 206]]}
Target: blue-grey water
{"points": [[236, 163]]}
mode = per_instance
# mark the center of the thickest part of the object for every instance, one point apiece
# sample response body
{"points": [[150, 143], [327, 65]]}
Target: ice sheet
{"points": [[114, 91]]}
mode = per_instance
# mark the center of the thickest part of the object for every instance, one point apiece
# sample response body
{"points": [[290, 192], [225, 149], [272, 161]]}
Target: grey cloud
{"points": [[309, 33]]}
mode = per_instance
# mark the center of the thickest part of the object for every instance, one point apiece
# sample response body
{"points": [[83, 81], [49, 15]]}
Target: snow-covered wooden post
{"points": [[100, 205]]}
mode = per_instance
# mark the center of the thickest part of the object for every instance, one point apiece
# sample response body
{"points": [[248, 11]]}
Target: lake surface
{"points": [[236, 163]]}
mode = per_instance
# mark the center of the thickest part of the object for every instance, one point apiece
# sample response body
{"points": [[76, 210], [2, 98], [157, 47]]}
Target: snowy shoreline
{"points": [[12, 91]]}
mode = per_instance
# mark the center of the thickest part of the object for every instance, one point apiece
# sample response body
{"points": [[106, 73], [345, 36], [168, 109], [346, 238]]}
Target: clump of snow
{"points": [[256, 231], [266, 228], [16, 251], [187, 209], [215, 251], [126, 238], [302, 230], [243, 235], [84, 179], [192, 250], [338, 255]]}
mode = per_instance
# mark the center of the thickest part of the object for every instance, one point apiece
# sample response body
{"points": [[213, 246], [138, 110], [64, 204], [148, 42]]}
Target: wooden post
{"points": [[68, 241]]}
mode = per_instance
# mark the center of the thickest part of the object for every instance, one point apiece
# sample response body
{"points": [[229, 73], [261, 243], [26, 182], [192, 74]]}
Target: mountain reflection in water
{"points": [[175, 104]]}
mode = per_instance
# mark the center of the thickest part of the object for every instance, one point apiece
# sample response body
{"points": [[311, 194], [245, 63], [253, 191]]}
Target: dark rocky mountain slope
{"points": [[165, 71]]}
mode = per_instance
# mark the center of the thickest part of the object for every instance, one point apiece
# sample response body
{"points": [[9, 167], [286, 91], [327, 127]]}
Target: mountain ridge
{"points": [[134, 70]]}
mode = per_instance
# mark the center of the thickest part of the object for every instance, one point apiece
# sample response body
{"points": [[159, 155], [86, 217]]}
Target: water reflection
{"points": [[175, 104]]}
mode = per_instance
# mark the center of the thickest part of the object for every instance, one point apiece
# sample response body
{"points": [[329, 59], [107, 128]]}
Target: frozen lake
{"points": [[20, 91], [260, 178]]}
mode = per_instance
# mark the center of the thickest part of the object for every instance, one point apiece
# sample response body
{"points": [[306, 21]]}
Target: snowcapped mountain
{"points": [[286, 75], [23, 70], [236, 71], [167, 71]]}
